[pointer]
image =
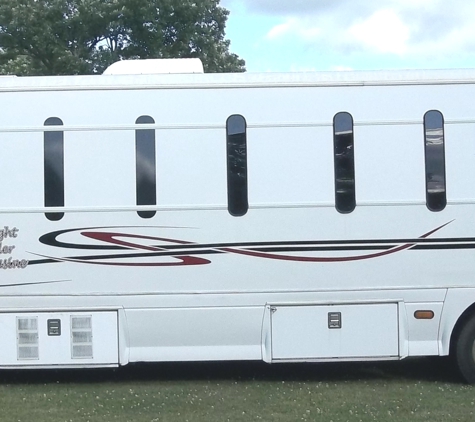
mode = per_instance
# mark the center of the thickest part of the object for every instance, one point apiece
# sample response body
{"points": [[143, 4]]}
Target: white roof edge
{"points": [[238, 80]]}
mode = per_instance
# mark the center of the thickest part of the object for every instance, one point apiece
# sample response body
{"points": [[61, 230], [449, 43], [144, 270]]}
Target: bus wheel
{"points": [[465, 351]]}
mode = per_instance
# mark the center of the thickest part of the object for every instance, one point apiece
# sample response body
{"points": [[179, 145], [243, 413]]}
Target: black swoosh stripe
{"points": [[209, 249]]}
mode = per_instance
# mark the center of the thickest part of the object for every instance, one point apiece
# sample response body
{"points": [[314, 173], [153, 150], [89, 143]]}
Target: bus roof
{"points": [[238, 80]]}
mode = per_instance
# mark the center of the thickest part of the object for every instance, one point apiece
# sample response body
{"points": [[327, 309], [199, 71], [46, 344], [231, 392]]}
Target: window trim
{"points": [[145, 182], [236, 161], [433, 203], [341, 198], [53, 170]]}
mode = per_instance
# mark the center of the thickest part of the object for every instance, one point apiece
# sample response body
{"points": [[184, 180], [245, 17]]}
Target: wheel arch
{"points": [[466, 316], [458, 308]]}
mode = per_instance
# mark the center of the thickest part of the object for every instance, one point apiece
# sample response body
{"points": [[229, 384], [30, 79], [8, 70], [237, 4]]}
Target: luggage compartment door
{"points": [[45, 339], [317, 332]]}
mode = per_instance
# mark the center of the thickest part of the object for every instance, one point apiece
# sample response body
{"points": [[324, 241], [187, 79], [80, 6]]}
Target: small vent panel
{"points": [[27, 338], [81, 337]]}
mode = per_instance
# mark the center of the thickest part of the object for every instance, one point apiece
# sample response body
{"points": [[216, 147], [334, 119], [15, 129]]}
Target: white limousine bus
{"points": [[302, 217]]}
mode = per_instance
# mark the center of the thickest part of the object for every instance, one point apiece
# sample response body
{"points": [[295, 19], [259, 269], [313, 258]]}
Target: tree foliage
{"points": [[60, 37]]}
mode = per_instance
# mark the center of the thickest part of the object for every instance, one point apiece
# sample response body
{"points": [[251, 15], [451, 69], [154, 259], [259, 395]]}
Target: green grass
{"points": [[414, 390]]}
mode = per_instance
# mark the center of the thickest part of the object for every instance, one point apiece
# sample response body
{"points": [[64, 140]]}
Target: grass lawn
{"points": [[413, 390]]}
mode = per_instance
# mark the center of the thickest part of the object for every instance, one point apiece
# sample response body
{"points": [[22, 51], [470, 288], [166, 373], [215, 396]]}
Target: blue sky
{"points": [[306, 35]]}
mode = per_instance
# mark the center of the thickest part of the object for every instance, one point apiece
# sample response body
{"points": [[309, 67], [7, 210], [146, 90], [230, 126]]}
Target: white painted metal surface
{"points": [[74, 343], [356, 331], [154, 66], [194, 282]]}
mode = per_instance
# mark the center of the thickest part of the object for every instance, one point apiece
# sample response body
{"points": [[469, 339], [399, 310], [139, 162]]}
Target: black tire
{"points": [[465, 351]]}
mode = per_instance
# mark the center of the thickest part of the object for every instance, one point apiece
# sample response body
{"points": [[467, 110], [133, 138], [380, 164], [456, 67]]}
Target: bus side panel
{"points": [[45, 339], [356, 331], [195, 334]]}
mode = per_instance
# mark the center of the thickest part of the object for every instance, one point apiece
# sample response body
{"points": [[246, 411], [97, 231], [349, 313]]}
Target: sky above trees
{"points": [[84, 36], [283, 35]]}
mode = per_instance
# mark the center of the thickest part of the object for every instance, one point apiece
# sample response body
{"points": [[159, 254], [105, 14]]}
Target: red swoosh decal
{"points": [[112, 238], [331, 259], [184, 260]]}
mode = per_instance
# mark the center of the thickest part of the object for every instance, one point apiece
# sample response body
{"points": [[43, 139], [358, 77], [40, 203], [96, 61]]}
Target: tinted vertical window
{"points": [[236, 165], [344, 160], [434, 160], [54, 168], [145, 166]]}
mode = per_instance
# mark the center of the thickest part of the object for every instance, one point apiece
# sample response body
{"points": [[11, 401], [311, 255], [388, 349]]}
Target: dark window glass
{"points": [[436, 198], [54, 168], [344, 156], [237, 165], [145, 166]]}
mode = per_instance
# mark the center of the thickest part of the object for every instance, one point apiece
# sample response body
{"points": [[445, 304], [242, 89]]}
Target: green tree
{"points": [[60, 37]]}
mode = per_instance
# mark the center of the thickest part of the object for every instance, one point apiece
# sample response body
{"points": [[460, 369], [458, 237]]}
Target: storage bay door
{"points": [[335, 331], [59, 338]]}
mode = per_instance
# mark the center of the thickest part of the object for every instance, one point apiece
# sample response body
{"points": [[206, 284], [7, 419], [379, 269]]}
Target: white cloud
{"points": [[282, 29], [383, 31], [393, 27], [278, 7]]}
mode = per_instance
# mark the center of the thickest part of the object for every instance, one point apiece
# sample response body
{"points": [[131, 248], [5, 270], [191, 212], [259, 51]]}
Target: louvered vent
{"points": [[81, 337], [27, 338]]}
